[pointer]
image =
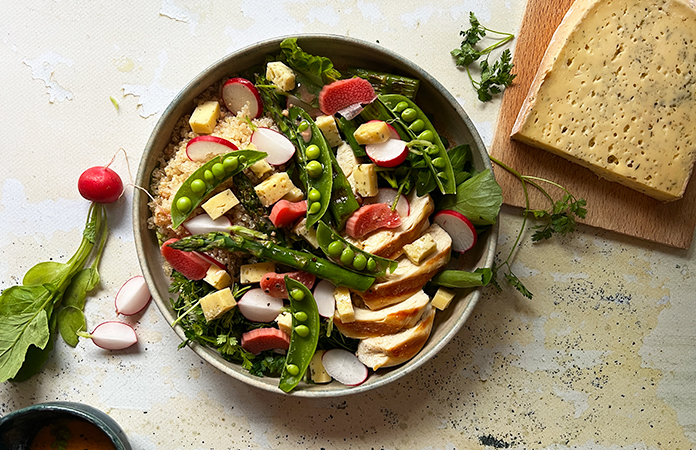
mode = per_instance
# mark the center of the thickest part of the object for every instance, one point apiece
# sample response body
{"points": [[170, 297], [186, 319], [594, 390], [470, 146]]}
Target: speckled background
{"points": [[603, 357]]}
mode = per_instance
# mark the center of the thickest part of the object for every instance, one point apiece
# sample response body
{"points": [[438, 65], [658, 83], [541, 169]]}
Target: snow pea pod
{"points": [[340, 251], [304, 337], [318, 172], [208, 177]]}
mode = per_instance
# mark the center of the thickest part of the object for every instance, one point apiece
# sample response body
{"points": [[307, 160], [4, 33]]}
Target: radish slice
{"points": [[202, 148], [202, 224], [387, 195], [324, 297], [258, 306], [236, 92], [458, 227], [344, 367], [278, 147], [113, 335], [210, 259], [133, 296], [390, 153]]}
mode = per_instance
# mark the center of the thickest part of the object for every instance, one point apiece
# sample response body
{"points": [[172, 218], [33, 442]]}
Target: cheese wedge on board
{"points": [[616, 92]]}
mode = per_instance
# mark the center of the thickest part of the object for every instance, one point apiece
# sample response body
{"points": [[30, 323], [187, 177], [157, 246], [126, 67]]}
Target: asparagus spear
{"points": [[386, 83], [268, 250]]}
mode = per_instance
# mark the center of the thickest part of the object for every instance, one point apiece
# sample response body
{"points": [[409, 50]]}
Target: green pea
{"points": [[314, 169], [292, 369], [442, 175], [184, 204], [371, 264], [314, 195], [303, 126], [359, 262], [301, 316], [297, 294], [312, 151], [218, 170], [400, 107], [417, 126], [198, 186], [302, 330], [432, 150], [314, 208], [208, 175], [335, 249], [427, 135], [439, 162], [231, 163], [347, 256], [409, 114], [242, 159]]}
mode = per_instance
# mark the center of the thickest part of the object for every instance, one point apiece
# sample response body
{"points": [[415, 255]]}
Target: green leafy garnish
{"points": [[494, 77], [318, 69], [478, 198], [560, 219]]}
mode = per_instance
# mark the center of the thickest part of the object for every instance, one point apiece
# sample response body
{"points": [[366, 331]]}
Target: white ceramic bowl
{"points": [[450, 120]]}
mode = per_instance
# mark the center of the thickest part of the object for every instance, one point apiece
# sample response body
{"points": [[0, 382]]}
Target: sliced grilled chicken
{"points": [[395, 349], [389, 320], [409, 278], [388, 243]]}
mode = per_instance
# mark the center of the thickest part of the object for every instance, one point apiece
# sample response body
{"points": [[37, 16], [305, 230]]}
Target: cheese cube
{"points": [[217, 303], [261, 168], [420, 249], [344, 304], [310, 235], [220, 204], [442, 298], [284, 321], [280, 75], [373, 132], [204, 117], [295, 195], [274, 188], [253, 273], [327, 125], [217, 277], [365, 176], [346, 159], [317, 373]]}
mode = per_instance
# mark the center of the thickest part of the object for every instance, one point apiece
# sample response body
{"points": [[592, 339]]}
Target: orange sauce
{"points": [[71, 434]]}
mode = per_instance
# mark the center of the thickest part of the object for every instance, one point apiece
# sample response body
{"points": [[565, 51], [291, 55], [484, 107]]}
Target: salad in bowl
{"points": [[322, 214]]}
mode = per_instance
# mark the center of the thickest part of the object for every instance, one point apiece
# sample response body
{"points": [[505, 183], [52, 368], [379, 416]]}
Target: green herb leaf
{"points": [[319, 69], [71, 320], [479, 199]]}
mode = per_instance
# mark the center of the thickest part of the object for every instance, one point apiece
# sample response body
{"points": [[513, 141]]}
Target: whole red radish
{"points": [[100, 184]]}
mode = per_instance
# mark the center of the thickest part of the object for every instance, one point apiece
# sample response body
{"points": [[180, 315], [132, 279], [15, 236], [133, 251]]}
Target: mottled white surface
{"points": [[604, 357]]}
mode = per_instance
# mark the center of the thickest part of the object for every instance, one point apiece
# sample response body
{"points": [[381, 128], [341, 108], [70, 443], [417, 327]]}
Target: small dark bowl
{"points": [[17, 429]]}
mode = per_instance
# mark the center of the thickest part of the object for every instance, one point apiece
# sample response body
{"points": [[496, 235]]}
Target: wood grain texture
{"points": [[610, 206]]}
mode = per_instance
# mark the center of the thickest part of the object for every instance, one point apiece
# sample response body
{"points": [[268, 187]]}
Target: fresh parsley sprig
{"points": [[494, 77], [560, 218]]}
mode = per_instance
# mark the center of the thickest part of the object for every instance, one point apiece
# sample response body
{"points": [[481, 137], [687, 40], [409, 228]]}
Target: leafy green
{"points": [[479, 199], [318, 69], [462, 279], [495, 77]]}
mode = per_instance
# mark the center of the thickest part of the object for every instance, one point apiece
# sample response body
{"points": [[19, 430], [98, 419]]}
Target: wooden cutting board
{"points": [[610, 206]]}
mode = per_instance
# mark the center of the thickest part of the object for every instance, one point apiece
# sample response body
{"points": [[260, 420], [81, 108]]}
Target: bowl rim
{"points": [[141, 201]]}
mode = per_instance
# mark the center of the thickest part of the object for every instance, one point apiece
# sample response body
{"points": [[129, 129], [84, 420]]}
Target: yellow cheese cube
{"points": [[420, 249], [310, 235], [252, 273], [373, 132], [346, 159], [280, 75], [274, 188], [261, 168], [295, 195], [327, 125], [317, 373], [344, 304], [217, 303], [217, 277], [442, 298], [220, 204], [365, 176], [284, 321], [204, 117]]}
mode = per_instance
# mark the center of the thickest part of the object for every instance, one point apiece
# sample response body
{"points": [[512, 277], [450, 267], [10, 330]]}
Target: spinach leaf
{"points": [[479, 199], [71, 319], [460, 157], [319, 69]]}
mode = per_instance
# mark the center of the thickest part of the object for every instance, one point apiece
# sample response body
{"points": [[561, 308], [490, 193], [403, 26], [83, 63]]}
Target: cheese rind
{"points": [[616, 92]]}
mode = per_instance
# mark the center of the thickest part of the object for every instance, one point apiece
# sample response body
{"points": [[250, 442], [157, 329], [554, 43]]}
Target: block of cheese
{"points": [[280, 75], [217, 303], [252, 273], [220, 204], [420, 249], [217, 277], [616, 92], [372, 132], [274, 188], [328, 127], [204, 117], [365, 179]]}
